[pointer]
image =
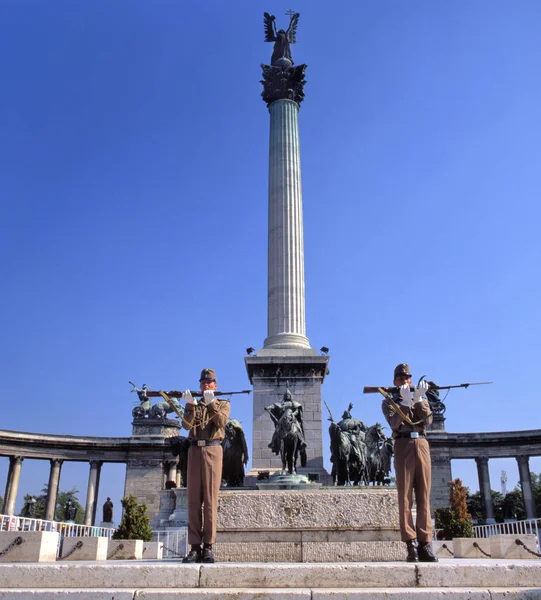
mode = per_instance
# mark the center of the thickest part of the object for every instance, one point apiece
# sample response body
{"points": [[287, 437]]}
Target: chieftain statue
{"points": [[281, 80], [235, 454], [360, 455], [288, 437]]}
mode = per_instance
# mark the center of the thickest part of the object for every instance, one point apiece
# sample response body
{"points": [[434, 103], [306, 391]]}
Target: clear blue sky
{"points": [[133, 180]]}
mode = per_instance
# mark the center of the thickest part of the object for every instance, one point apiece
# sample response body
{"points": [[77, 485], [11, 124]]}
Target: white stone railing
{"points": [[510, 527], [175, 542], [12, 523]]}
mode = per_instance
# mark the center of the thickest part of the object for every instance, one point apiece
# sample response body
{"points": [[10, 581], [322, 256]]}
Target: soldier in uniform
{"points": [[206, 421], [408, 419]]}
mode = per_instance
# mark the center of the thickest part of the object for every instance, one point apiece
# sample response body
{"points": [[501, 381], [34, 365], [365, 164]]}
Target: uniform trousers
{"points": [[413, 471], [204, 479]]}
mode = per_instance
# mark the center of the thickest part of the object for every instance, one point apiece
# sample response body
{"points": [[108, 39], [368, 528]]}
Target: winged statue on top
{"points": [[282, 39]]}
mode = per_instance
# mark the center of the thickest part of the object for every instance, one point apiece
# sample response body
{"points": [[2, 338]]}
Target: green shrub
{"points": [[135, 525]]}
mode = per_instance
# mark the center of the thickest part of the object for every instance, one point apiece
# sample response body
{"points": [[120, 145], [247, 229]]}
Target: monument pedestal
{"points": [[322, 525]]}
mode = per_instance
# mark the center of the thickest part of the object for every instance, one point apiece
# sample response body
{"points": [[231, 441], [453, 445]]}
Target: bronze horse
{"points": [[292, 444]]}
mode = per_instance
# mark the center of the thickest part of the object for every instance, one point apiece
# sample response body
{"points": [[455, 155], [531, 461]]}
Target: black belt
{"points": [[410, 434], [206, 442]]}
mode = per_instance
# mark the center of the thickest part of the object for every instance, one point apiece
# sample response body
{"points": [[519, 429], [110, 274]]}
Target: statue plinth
{"points": [[349, 524]]}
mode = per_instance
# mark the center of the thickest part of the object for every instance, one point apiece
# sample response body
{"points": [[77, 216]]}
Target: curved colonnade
{"points": [[481, 447], [93, 451]]}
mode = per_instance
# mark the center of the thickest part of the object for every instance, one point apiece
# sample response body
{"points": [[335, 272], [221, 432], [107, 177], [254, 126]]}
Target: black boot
{"points": [[425, 552], [194, 555], [207, 556], [412, 551]]}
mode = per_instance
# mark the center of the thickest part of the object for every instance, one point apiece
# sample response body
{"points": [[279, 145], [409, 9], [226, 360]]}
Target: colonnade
{"points": [[14, 475], [485, 488], [170, 473]]}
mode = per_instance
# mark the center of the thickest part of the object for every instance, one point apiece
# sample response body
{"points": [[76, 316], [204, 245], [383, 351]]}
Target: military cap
{"points": [[402, 369], [208, 374]]}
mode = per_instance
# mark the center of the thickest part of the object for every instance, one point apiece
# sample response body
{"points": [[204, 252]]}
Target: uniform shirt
{"points": [[416, 412], [206, 422]]}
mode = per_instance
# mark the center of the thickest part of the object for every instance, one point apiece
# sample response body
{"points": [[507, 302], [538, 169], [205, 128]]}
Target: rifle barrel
{"points": [[177, 394], [394, 389]]}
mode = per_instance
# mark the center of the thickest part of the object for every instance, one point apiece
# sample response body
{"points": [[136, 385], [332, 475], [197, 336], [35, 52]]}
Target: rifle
{"points": [[431, 386], [177, 394]]}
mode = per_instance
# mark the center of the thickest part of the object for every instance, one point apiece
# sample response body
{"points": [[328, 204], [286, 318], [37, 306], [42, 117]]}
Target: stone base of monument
{"points": [[28, 546], [84, 548], [152, 550], [325, 524], [125, 550], [514, 546], [108, 524], [278, 481]]}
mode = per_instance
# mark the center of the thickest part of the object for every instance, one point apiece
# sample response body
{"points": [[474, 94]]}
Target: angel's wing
{"points": [[270, 34], [292, 29]]}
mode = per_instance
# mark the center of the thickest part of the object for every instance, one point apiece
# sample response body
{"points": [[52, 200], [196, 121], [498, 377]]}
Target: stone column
{"points": [[52, 488], [92, 491], [286, 324], [526, 485], [171, 471], [484, 488], [13, 483]]}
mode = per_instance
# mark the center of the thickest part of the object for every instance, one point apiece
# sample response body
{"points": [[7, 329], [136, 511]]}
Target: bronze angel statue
{"points": [[282, 39]]}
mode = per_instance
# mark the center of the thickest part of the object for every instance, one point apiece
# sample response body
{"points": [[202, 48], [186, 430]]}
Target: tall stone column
{"points": [[13, 483], [52, 488], [286, 360], [526, 485], [286, 324], [484, 488], [92, 491]]}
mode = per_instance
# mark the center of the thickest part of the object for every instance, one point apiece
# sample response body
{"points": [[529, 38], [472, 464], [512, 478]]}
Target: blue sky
{"points": [[133, 180]]}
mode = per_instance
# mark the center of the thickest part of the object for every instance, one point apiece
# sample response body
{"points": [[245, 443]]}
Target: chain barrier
{"points": [[521, 543], [115, 551], [173, 551], [16, 542], [446, 547], [78, 545], [476, 545]]}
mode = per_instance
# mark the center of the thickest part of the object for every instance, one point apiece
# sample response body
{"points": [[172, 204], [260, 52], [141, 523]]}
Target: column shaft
{"points": [[52, 488], [91, 492], [13, 483], [484, 488], [526, 485], [286, 296]]}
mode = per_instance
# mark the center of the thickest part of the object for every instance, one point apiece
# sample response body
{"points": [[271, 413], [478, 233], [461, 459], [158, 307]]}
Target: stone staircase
{"points": [[455, 579]]}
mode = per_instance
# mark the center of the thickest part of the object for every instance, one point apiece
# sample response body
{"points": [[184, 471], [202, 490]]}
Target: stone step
{"points": [[276, 594], [164, 576]]}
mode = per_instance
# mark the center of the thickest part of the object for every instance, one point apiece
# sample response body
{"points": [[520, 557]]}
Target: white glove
{"points": [[405, 394], [420, 391], [208, 396], [188, 398]]}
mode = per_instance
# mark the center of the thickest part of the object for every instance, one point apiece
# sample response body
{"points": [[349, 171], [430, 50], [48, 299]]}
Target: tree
{"points": [[455, 521], [135, 525]]}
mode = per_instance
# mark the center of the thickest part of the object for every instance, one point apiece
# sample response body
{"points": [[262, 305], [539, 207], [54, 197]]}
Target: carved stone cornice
{"points": [[283, 83]]}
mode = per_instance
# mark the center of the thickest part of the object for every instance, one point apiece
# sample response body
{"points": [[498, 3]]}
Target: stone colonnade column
{"points": [[92, 491], [15, 463], [526, 485], [171, 467], [52, 488], [286, 324], [484, 488]]}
